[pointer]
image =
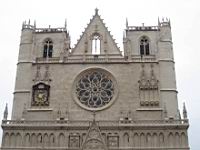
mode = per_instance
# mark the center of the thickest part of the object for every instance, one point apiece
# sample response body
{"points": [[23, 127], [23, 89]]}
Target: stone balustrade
{"points": [[86, 123], [95, 59], [143, 28], [42, 30]]}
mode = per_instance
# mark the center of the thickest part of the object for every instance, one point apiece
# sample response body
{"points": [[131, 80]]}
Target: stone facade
{"points": [[93, 96]]}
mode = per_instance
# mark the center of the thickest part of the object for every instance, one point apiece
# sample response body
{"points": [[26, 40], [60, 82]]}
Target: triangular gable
{"points": [[94, 139], [107, 43]]}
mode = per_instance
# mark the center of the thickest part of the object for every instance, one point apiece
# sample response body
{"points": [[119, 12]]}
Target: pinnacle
{"points": [[96, 11]]}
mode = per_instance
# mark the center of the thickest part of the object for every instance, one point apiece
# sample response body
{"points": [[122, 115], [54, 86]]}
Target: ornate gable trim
{"points": [[94, 139], [88, 26]]}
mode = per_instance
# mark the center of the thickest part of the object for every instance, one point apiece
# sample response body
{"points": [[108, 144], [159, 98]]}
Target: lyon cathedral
{"points": [[94, 95]]}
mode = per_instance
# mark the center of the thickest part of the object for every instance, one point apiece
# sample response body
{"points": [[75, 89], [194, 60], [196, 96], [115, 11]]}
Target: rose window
{"points": [[94, 89]]}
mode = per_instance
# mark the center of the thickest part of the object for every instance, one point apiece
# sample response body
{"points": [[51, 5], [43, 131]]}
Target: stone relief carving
{"points": [[46, 74], [93, 144], [62, 113], [113, 141], [74, 140], [148, 88], [38, 76]]}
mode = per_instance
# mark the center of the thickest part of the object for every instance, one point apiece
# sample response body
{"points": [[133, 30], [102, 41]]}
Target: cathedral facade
{"points": [[94, 96]]}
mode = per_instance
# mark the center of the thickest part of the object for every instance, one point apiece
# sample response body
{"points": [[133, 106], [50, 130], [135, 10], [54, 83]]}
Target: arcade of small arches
{"points": [[112, 140]]}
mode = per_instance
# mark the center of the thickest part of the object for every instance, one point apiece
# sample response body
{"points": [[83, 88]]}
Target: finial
{"points": [[124, 35], [184, 111], [158, 21], [126, 23], [5, 114], [65, 23], [169, 22], [22, 24], [34, 24], [179, 115], [96, 11]]}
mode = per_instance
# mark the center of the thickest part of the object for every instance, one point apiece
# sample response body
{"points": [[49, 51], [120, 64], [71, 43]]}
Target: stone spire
{"points": [[65, 23], [124, 35], [5, 114], [158, 21], [184, 111], [179, 115], [126, 23], [34, 23]]}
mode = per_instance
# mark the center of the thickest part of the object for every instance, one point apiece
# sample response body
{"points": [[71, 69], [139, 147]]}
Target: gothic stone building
{"points": [[93, 96]]}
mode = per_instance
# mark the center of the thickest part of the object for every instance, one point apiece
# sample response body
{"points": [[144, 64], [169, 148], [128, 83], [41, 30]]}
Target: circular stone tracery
{"points": [[94, 89]]}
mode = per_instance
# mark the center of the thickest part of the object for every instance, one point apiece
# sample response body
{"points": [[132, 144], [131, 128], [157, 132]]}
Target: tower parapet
{"points": [[26, 25], [142, 28], [164, 22], [29, 26]]}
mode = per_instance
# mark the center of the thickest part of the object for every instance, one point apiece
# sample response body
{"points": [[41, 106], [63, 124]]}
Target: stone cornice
{"points": [[168, 90], [82, 125], [21, 91]]}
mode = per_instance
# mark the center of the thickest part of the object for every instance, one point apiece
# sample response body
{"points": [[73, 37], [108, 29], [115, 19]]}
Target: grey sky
{"points": [[185, 22]]}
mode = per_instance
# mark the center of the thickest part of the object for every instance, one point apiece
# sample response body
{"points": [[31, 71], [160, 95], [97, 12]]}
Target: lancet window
{"points": [[48, 48], [96, 44], [144, 46]]}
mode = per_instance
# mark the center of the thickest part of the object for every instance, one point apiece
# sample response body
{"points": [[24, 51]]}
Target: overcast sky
{"points": [[185, 22]]}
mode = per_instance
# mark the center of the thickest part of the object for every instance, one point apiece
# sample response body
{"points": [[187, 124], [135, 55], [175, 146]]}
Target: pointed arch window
{"points": [[96, 44], [144, 46], [48, 48]]}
